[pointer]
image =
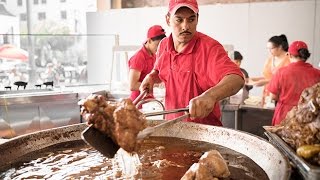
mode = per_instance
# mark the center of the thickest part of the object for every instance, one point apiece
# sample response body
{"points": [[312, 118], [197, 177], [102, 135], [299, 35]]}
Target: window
{"points": [[19, 2], [41, 16], [23, 17], [35, 1], [44, 1], [63, 14]]}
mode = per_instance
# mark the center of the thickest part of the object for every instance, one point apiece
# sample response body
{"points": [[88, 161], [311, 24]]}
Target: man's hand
{"points": [[201, 106], [149, 81]]}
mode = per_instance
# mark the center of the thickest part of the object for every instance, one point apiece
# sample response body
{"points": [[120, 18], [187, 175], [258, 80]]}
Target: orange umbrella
{"points": [[9, 51]]}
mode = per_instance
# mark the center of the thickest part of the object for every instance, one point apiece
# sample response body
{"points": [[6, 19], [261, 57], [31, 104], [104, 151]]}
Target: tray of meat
{"points": [[298, 135], [306, 169]]}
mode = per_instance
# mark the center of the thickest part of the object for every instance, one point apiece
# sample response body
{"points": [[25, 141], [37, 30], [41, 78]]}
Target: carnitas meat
{"points": [[211, 166], [302, 124], [121, 121]]}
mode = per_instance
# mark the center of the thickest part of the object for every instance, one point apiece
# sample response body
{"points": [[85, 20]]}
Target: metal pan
{"points": [[266, 155]]}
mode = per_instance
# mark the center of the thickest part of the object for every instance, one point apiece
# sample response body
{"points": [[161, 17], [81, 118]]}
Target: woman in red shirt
{"points": [[141, 63], [278, 47], [288, 83]]}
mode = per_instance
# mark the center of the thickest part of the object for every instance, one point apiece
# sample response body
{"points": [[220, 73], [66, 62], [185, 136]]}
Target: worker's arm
{"points": [[134, 76], [202, 105], [149, 81]]}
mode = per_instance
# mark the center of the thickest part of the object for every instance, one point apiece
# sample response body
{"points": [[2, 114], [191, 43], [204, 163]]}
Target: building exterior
{"points": [[9, 25], [71, 13]]}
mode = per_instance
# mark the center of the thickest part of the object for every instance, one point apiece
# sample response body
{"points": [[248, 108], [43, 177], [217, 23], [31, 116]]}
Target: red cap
{"points": [[155, 31], [296, 46], [174, 5]]}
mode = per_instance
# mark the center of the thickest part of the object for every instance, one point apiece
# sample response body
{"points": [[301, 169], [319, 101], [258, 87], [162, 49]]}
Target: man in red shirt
{"points": [[288, 83], [195, 68], [142, 62]]}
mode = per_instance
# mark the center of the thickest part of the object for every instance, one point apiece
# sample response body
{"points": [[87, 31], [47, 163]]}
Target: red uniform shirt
{"points": [[200, 66], [288, 83], [141, 61]]}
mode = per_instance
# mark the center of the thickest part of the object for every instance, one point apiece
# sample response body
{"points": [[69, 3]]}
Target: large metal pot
{"points": [[266, 155]]}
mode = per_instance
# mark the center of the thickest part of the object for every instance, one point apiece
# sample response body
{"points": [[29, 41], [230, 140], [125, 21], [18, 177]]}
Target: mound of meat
{"points": [[302, 124], [210, 166], [121, 121]]}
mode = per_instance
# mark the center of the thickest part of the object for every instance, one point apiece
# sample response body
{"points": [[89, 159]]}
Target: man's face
{"points": [[153, 45], [183, 24]]}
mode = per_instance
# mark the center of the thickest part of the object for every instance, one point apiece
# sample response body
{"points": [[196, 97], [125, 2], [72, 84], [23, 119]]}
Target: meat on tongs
{"points": [[121, 121]]}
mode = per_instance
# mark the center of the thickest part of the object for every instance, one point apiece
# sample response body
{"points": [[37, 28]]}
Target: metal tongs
{"points": [[149, 130], [106, 146]]}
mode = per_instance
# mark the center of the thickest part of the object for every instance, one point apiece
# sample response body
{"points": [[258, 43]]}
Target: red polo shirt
{"points": [[143, 62], [288, 83], [200, 66]]}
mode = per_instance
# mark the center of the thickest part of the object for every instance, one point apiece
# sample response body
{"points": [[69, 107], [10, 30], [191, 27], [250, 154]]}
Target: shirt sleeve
{"points": [[137, 61], [160, 50]]}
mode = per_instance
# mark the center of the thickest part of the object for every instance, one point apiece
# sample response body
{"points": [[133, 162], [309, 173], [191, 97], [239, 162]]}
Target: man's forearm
{"points": [[228, 86]]}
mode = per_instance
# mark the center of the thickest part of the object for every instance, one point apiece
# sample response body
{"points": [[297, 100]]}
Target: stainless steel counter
{"points": [[28, 112], [246, 118]]}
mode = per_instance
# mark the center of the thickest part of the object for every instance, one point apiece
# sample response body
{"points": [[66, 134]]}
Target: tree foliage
{"points": [[54, 34]]}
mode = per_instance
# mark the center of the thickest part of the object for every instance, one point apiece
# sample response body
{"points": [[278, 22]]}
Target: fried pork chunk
{"points": [[302, 124], [210, 166], [121, 121]]}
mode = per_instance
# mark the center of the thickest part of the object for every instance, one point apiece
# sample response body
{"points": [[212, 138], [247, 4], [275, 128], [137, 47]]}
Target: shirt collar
{"points": [[188, 49], [298, 63]]}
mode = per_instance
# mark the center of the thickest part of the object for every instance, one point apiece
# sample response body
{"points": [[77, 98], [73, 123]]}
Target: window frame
{"points": [[41, 16], [19, 2], [63, 14]]}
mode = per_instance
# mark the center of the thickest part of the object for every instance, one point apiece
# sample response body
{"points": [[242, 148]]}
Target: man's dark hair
{"points": [[158, 37], [237, 56]]}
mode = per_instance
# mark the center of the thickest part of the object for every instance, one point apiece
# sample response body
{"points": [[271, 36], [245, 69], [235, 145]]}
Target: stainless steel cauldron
{"points": [[266, 155]]}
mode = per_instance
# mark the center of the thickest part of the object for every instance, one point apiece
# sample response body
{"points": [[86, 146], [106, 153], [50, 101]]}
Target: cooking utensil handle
{"points": [[166, 112], [146, 132], [141, 96]]}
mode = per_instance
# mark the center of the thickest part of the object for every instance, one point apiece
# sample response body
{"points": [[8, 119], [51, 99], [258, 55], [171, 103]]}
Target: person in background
{"points": [[141, 63], [15, 76], [278, 48], [284, 87], [195, 69], [83, 77], [59, 68], [237, 59], [51, 74]]}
